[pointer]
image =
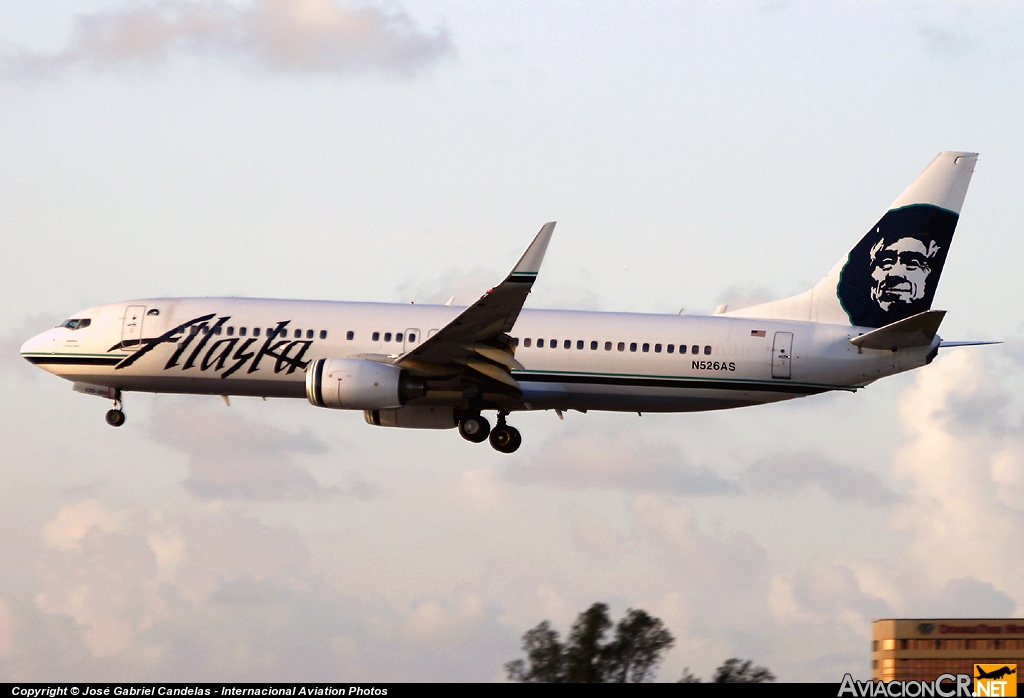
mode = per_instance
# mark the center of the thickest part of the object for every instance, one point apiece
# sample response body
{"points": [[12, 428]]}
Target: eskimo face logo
{"points": [[900, 270], [891, 274]]}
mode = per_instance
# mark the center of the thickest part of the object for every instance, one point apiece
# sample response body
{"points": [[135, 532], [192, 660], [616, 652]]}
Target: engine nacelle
{"points": [[357, 384], [415, 417]]}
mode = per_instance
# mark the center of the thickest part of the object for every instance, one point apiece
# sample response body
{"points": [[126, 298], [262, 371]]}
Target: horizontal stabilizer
{"points": [[944, 344], [915, 331]]}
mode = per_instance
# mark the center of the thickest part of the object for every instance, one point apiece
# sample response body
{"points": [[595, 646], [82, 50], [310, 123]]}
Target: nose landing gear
{"points": [[115, 417]]}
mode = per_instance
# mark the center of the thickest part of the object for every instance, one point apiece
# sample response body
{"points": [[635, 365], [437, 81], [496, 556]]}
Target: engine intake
{"points": [[357, 384]]}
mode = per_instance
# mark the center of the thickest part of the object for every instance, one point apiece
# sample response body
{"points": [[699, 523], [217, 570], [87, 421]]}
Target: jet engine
{"points": [[413, 417], [357, 384]]}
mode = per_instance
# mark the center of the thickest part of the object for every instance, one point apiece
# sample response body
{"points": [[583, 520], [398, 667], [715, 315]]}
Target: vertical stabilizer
{"points": [[892, 273]]}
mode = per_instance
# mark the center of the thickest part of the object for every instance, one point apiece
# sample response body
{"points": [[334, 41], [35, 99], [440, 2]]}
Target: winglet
{"points": [[529, 264]]}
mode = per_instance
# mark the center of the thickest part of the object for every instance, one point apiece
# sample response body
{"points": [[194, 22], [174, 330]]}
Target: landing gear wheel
{"points": [[506, 439], [115, 418], [474, 428]]}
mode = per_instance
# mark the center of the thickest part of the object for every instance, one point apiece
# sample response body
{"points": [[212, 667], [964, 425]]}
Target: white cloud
{"points": [[234, 458], [74, 522], [964, 465], [625, 461], [308, 36], [788, 473], [620, 461], [744, 295], [6, 627]]}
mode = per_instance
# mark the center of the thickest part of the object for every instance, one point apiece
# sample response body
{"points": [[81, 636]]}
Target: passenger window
{"points": [[593, 346], [309, 334], [622, 346], [398, 337], [350, 335], [376, 336], [297, 334], [553, 344], [526, 342], [323, 334], [632, 346], [540, 343], [707, 349], [607, 346], [216, 330], [694, 349], [241, 331], [154, 311], [412, 338], [515, 340], [670, 348], [255, 331], [579, 344], [387, 336], [231, 331], [657, 348], [646, 347]]}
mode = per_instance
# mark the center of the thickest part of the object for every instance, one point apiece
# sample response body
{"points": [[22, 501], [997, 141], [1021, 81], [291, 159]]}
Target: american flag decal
{"points": [[757, 333]]}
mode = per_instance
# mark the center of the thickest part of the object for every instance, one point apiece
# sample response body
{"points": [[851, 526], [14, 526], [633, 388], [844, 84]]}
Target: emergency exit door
{"points": [[782, 354], [412, 339]]}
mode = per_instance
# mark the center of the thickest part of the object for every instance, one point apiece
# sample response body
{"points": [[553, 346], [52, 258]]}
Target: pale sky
{"points": [[693, 153]]}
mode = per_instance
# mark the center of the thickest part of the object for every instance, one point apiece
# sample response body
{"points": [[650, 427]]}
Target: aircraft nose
{"points": [[35, 346]]}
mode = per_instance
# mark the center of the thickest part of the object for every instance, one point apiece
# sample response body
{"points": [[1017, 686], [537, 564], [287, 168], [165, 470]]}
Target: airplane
{"points": [[995, 674], [441, 366]]}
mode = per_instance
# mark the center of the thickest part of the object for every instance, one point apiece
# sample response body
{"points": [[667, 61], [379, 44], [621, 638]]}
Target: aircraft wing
{"points": [[477, 338]]}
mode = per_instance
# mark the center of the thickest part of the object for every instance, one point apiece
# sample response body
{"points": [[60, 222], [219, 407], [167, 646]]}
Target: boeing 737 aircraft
{"points": [[440, 367]]}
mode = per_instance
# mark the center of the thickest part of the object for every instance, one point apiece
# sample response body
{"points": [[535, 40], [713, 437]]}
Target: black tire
{"points": [[505, 439], [474, 428], [517, 442], [115, 418]]}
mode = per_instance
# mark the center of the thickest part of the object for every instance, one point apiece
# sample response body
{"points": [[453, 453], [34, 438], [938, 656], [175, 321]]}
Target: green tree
{"points": [[631, 655], [733, 671], [545, 654], [640, 641], [739, 671]]}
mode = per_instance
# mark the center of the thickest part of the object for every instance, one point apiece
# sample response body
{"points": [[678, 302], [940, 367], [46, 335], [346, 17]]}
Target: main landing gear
{"points": [[503, 438], [115, 417]]}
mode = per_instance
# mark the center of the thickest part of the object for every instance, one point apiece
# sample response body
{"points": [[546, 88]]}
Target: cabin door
{"points": [[131, 326], [782, 354]]}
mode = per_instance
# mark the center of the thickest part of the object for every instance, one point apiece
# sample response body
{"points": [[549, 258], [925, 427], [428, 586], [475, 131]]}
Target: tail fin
{"points": [[892, 273]]}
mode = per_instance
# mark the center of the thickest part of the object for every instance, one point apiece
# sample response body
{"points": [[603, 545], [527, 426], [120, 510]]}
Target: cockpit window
{"points": [[76, 323]]}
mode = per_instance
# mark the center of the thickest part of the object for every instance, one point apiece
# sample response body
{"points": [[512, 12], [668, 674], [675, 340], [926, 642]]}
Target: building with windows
{"points": [[922, 649]]}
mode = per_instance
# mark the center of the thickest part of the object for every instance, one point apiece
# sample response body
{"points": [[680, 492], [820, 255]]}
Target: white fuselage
{"points": [[571, 359]]}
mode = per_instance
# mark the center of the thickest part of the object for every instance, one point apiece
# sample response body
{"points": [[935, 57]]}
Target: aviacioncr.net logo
{"points": [[995, 680], [945, 686]]}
